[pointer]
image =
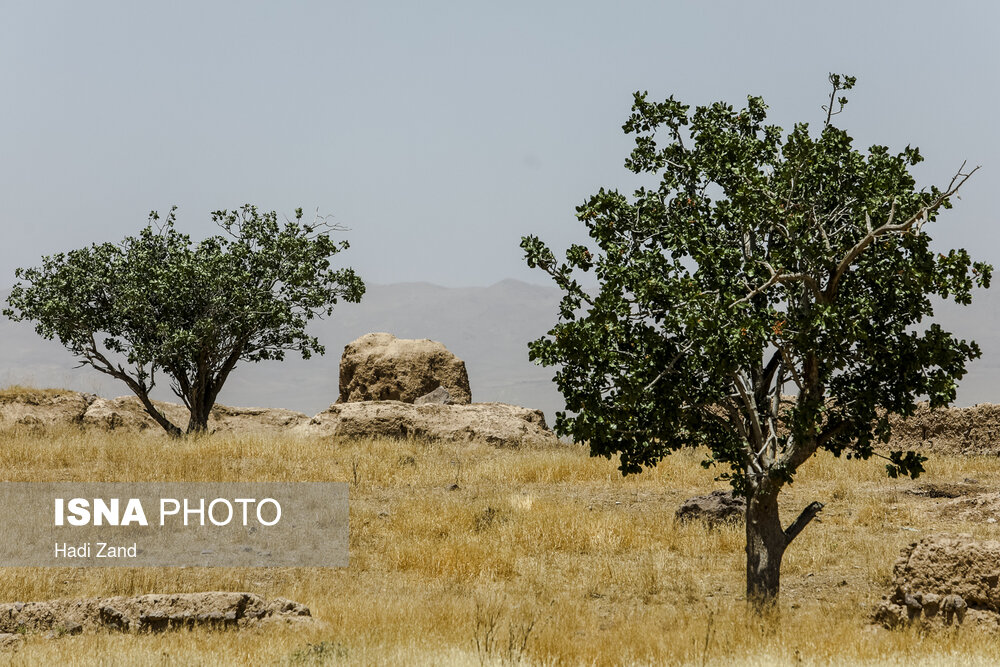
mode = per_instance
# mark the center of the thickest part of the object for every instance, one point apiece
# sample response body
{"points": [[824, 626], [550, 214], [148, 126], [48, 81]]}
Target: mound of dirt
{"points": [[126, 413], [717, 508], [978, 508], [254, 420], [944, 580], [974, 430], [381, 367], [496, 424], [148, 613], [22, 406]]}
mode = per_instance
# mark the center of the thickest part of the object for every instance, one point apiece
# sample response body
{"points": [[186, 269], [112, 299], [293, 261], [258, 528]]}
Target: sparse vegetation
{"points": [[580, 565]]}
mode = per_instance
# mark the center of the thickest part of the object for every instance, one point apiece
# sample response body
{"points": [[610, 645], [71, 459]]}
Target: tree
{"points": [[189, 311], [762, 301]]}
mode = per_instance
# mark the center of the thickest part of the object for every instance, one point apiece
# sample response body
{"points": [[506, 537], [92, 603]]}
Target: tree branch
{"points": [[779, 277], [807, 515], [917, 219], [92, 355]]}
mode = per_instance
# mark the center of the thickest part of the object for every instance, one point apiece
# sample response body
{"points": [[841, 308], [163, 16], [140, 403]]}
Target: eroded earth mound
{"points": [[945, 580], [973, 430], [149, 613], [496, 424], [717, 508], [24, 406], [381, 367], [41, 408]]}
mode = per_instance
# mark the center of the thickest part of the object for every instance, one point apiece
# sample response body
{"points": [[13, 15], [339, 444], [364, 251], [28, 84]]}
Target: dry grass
{"points": [[539, 557]]}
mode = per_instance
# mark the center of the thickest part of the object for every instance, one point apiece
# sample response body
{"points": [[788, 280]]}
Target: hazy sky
{"points": [[440, 133]]}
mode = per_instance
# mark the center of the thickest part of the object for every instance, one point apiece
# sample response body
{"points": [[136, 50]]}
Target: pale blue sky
{"points": [[440, 133]]}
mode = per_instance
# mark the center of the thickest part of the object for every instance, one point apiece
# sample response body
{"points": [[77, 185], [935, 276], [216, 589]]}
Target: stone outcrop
{"points": [[381, 367], [50, 408], [126, 413], [945, 580], [245, 420], [149, 613], [717, 508], [496, 424]]}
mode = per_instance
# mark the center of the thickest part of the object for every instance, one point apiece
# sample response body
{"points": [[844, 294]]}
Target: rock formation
{"points": [[381, 367], [945, 580], [39, 408], [439, 396], [973, 430], [48, 408], [496, 424]]}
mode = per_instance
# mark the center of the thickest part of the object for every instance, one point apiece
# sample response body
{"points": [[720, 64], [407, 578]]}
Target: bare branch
{"points": [[779, 277], [807, 515], [916, 220], [751, 409]]}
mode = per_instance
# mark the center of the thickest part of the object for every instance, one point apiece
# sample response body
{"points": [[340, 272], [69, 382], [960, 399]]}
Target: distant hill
{"points": [[488, 327]]}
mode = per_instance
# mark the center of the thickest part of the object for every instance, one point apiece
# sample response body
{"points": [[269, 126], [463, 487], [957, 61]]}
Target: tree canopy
{"points": [[765, 299], [159, 305]]}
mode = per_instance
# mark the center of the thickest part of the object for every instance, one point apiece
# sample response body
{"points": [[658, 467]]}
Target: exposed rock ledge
{"points": [[39, 408], [496, 424]]}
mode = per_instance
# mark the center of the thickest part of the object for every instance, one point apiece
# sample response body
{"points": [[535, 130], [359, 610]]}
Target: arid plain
{"points": [[462, 553]]}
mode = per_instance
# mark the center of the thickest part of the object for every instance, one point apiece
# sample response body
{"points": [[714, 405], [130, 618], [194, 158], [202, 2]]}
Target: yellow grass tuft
{"points": [[465, 554]]}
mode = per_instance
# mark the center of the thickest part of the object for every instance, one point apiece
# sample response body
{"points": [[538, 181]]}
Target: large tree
{"points": [[764, 300], [158, 304]]}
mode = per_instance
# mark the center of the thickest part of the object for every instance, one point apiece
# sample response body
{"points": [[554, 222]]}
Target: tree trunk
{"points": [[157, 416], [198, 422], [766, 544]]}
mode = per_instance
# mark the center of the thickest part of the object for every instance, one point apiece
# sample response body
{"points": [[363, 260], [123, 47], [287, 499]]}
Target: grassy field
{"points": [[537, 557]]}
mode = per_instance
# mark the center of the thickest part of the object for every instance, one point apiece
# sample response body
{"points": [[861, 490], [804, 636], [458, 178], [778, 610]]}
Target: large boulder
{"points": [[496, 424], [717, 508], [945, 580], [381, 367]]}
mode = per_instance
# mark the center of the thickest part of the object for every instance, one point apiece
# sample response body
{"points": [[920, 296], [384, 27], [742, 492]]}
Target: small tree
{"points": [[762, 300], [189, 311]]}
